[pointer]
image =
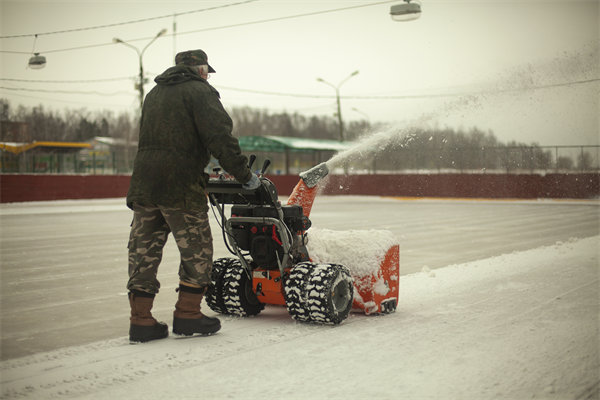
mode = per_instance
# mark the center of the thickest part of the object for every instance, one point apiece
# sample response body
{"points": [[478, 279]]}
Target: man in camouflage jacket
{"points": [[183, 123]]}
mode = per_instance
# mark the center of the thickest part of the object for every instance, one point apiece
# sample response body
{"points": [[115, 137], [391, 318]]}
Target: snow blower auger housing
{"points": [[372, 256], [272, 264]]}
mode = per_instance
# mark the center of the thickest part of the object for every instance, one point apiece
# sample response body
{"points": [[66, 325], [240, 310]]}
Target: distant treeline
{"points": [[79, 125], [427, 149]]}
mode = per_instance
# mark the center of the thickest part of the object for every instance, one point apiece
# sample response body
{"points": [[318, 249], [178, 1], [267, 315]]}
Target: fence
{"points": [[534, 159], [84, 162], [505, 159]]}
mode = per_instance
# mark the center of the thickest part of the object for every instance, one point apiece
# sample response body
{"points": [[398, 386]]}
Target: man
{"points": [[183, 123]]}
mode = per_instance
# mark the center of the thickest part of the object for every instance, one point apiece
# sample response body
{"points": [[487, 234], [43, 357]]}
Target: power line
{"points": [[68, 81], [310, 14], [261, 21], [314, 96], [65, 91], [73, 48], [126, 22], [80, 103], [412, 96], [267, 93]]}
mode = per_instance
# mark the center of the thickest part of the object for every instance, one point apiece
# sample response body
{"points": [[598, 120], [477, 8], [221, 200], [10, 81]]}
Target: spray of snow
{"points": [[579, 69], [569, 68]]}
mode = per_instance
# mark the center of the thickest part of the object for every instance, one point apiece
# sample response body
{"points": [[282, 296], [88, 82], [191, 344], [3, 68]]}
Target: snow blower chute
{"points": [[272, 264]]}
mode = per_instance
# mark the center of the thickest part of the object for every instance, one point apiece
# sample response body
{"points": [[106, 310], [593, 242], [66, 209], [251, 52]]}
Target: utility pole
{"points": [[337, 96]]}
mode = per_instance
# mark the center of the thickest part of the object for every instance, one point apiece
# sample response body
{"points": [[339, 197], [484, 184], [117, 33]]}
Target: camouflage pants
{"points": [[149, 231]]}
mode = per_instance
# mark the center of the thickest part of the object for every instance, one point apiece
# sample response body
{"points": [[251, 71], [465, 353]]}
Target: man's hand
{"points": [[252, 184]]}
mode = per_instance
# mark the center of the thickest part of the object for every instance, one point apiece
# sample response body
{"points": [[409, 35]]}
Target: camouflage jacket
{"points": [[183, 124]]}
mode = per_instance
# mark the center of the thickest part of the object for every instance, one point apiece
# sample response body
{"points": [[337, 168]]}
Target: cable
{"points": [[264, 92], [410, 96], [126, 22], [68, 81], [39, 98], [65, 91], [267, 93], [74, 48], [221, 223], [261, 21], [209, 29]]}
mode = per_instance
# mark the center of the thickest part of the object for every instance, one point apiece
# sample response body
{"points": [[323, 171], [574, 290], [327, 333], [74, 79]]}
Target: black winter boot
{"points": [[187, 318], [143, 326]]}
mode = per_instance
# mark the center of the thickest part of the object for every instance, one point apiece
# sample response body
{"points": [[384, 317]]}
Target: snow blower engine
{"points": [[271, 263]]}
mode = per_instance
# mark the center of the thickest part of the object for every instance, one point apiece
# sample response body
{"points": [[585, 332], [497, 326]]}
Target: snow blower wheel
{"points": [[214, 294], [320, 293], [238, 296], [230, 291]]}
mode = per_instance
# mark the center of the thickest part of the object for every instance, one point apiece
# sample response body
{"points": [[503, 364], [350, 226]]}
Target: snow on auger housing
{"points": [[272, 263]]}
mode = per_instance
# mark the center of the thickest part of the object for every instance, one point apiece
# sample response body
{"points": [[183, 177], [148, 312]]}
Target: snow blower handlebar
{"points": [[222, 190], [259, 224]]}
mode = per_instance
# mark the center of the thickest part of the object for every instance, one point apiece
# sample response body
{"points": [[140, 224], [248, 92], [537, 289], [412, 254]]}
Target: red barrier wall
{"points": [[15, 188], [574, 186], [60, 187]]}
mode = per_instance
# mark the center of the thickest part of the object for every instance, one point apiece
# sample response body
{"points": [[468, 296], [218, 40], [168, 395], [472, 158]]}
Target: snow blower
{"points": [[272, 264], [372, 256]]}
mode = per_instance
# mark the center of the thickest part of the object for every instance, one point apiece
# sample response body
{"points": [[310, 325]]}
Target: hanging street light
{"points": [[408, 11], [337, 96], [37, 61], [141, 80]]}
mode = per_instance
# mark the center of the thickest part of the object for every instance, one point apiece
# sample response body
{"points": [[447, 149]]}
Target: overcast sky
{"points": [[531, 67]]}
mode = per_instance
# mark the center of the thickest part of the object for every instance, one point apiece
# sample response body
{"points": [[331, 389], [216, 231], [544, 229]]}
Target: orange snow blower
{"points": [[272, 264], [372, 256]]}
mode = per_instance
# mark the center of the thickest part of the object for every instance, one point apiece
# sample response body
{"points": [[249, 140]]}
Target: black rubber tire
{"points": [[320, 293], [295, 291], [214, 294], [238, 297], [330, 292]]}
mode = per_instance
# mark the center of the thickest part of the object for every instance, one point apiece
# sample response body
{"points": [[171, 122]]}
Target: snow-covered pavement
{"points": [[512, 313]]}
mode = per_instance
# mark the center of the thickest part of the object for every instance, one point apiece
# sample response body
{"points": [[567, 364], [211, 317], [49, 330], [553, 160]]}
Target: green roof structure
{"points": [[286, 143]]}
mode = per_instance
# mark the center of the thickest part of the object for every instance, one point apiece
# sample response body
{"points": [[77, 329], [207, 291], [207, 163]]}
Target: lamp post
{"points": [[140, 85], [337, 96]]}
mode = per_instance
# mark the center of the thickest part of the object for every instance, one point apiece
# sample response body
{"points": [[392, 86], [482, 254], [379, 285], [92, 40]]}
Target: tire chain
{"points": [[231, 289], [214, 295], [318, 291], [308, 292], [295, 292], [235, 293]]}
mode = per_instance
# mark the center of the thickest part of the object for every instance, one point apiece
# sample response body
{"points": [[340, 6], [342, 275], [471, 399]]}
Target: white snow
{"points": [[361, 251], [523, 325]]}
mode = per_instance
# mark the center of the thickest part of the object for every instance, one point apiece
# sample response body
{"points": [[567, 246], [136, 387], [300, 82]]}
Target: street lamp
{"points": [[140, 85], [406, 12], [337, 96], [37, 61]]}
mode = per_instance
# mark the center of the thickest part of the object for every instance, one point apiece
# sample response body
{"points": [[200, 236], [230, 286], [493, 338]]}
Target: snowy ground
{"points": [[498, 300]]}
